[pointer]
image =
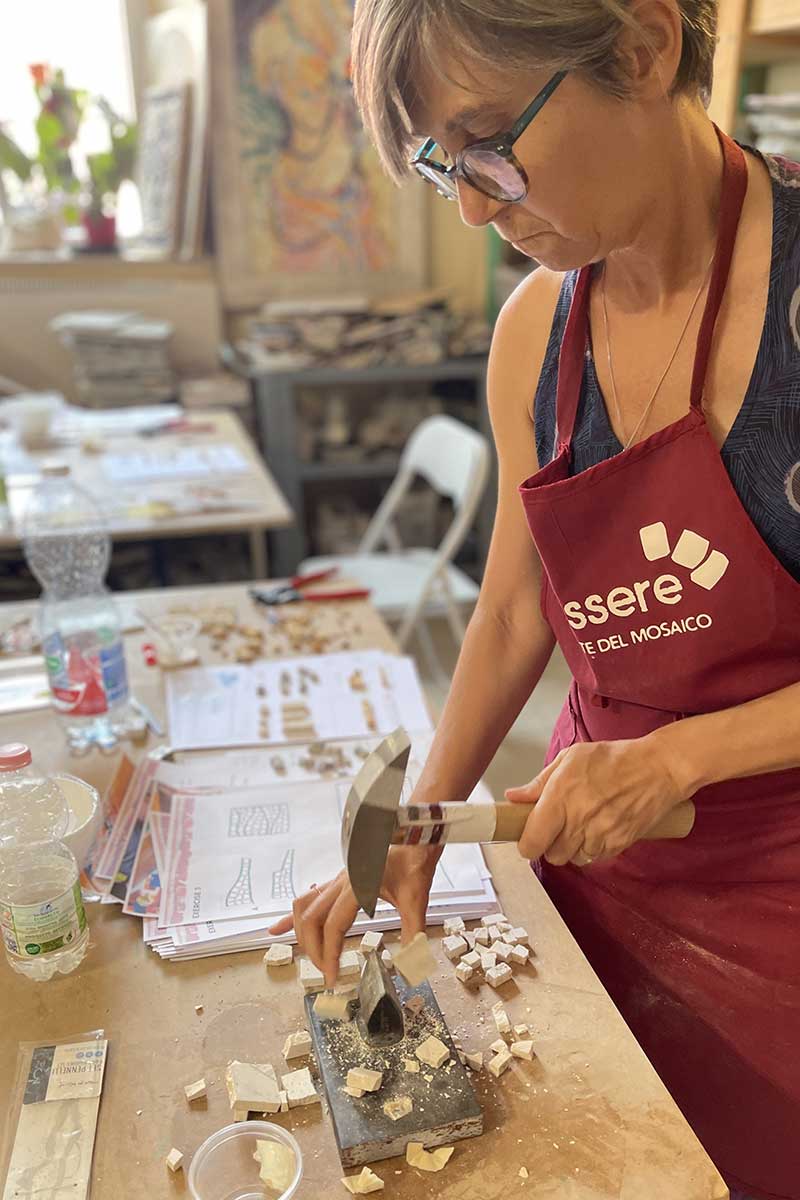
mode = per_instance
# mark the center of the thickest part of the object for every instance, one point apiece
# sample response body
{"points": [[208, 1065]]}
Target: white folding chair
{"points": [[411, 585]]}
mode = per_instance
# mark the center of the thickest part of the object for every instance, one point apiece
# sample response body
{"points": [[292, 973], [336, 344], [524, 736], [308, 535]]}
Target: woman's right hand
{"points": [[322, 916]]}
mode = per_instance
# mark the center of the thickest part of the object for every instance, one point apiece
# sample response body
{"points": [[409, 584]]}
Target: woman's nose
{"points": [[476, 209]]}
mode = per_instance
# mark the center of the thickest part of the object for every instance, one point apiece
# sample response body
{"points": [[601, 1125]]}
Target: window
{"points": [[88, 41]]}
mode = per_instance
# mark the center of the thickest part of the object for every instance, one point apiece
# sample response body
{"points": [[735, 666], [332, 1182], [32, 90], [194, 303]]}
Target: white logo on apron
{"points": [[691, 550]]}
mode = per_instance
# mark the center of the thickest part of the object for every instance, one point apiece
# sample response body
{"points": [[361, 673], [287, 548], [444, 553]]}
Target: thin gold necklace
{"points": [[652, 400]]}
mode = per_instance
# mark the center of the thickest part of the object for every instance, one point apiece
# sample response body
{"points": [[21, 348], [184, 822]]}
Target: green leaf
{"points": [[14, 159]]}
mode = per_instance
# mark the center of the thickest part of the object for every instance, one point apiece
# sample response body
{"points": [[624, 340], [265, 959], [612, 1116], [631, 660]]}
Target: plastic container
{"points": [[42, 919], [68, 549], [224, 1168], [85, 816]]}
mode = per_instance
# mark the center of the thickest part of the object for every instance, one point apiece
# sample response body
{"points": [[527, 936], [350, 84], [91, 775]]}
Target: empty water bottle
{"points": [[42, 919], [68, 548]]}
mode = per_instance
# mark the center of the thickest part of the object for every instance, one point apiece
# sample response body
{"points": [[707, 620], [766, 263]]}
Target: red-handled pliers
{"points": [[293, 590]]}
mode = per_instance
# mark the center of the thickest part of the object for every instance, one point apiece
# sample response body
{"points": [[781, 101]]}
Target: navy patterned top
{"points": [[762, 451]]}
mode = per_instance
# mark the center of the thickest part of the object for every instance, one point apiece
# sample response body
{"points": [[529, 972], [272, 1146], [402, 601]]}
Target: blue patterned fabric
{"points": [[762, 451]]}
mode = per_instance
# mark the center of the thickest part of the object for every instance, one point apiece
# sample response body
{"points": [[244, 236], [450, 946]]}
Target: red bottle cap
{"points": [[14, 756]]}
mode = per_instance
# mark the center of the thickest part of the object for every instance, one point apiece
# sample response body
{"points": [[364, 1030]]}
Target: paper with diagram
{"points": [[294, 700]]}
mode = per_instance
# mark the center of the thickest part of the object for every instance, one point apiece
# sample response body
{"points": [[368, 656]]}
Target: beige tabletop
{"points": [[589, 1119], [248, 501]]}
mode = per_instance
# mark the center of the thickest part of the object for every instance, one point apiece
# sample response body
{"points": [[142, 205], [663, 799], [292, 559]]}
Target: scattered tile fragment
{"points": [[432, 1052], [331, 1006], [252, 1087], [396, 1109], [500, 1015], [277, 1164], [425, 1160], [364, 1078], [299, 1088], [297, 1045], [501, 951], [278, 955], [500, 1063], [196, 1090], [349, 964], [363, 1184], [498, 975], [311, 977], [174, 1159], [414, 961], [454, 947]]}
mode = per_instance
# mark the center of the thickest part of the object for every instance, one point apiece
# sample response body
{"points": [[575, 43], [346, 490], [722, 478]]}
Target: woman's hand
{"points": [[595, 799], [323, 915]]}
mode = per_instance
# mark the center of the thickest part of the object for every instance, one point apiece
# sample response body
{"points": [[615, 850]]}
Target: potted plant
{"points": [[107, 170], [34, 218]]}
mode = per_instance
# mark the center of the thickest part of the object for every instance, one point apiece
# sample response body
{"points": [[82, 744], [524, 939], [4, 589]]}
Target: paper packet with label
{"points": [[52, 1118]]}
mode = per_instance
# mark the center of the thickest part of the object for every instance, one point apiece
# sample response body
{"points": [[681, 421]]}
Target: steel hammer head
{"points": [[370, 814]]}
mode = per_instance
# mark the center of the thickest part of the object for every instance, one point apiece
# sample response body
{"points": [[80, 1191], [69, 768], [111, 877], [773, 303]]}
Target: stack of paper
{"points": [[277, 701], [119, 357], [174, 462], [212, 851]]}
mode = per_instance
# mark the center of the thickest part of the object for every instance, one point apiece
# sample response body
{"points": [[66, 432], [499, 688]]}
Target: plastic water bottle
{"points": [[68, 548], [42, 918]]}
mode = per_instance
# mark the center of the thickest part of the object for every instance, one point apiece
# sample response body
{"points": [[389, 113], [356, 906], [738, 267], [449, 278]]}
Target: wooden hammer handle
{"points": [[438, 823], [511, 819]]}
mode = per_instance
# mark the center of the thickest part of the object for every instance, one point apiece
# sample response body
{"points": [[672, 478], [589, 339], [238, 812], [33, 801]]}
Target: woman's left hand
{"points": [[595, 799]]}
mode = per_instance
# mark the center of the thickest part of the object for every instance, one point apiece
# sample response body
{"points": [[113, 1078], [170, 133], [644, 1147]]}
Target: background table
{"points": [[257, 505], [589, 1119]]}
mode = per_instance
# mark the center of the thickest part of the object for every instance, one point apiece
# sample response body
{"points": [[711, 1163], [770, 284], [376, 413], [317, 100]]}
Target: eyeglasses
{"points": [[489, 165]]}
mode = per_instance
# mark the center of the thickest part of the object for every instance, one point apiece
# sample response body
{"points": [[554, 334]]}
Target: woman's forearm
{"points": [[749, 739], [497, 670]]}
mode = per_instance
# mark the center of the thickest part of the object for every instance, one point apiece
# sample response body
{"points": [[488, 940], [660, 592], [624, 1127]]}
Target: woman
{"points": [[645, 384]]}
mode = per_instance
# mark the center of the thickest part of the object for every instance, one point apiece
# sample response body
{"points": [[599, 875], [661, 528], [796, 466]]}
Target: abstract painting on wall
{"points": [[301, 201]]}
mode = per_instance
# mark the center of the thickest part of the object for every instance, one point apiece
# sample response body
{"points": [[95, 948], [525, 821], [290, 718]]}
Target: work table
{"points": [[588, 1119]]}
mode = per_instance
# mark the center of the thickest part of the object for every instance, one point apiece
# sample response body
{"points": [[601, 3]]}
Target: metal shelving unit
{"points": [[275, 396]]}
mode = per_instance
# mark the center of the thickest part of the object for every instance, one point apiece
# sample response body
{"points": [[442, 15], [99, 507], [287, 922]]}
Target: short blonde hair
{"points": [[394, 41]]}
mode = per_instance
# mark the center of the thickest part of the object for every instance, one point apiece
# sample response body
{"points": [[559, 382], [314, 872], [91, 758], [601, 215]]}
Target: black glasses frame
{"points": [[502, 144]]}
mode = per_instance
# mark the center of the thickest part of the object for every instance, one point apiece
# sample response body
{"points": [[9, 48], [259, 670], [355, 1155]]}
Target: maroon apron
{"points": [[667, 603]]}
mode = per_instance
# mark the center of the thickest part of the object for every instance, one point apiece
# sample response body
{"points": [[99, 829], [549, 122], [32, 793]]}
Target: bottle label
{"points": [[115, 672], [85, 685], [31, 930]]}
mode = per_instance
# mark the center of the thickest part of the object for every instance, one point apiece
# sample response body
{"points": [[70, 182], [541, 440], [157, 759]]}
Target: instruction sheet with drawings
{"points": [[232, 855], [294, 700], [235, 855]]}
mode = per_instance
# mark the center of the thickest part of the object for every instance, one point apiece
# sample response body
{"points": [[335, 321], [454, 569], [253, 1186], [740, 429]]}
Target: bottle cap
{"points": [[14, 756]]}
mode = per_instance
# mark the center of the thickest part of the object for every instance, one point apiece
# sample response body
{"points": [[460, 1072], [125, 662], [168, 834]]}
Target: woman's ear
{"points": [[650, 51]]}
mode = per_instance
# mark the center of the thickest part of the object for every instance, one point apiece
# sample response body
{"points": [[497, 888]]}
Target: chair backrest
{"points": [[448, 454], [454, 460]]}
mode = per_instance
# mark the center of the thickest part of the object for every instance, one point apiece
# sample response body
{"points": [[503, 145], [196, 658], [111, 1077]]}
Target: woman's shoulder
{"points": [[531, 305], [523, 330]]}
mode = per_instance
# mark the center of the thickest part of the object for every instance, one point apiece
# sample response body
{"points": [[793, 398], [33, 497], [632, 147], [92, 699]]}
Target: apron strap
{"points": [[575, 340], [734, 187], [571, 360]]}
